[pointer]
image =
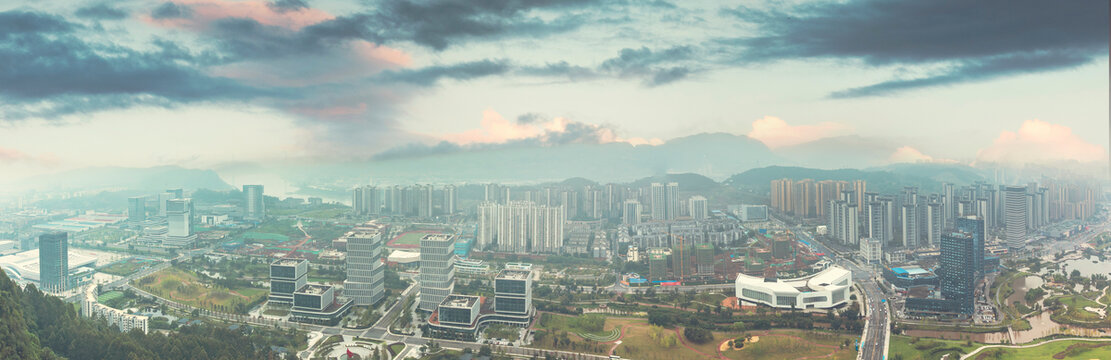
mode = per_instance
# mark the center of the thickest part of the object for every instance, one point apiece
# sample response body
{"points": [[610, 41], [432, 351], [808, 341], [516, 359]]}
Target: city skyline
{"points": [[327, 80]]}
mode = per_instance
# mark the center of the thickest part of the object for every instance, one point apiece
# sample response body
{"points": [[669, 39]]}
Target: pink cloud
{"points": [[1039, 141], [206, 11], [12, 155], [496, 129], [907, 154], [355, 59], [774, 132]]}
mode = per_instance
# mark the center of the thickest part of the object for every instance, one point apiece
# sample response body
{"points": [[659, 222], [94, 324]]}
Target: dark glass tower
{"points": [[958, 275], [974, 226], [54, 262]]}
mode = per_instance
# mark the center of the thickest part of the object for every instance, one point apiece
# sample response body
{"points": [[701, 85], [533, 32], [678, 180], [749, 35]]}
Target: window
{"points": [[757, 295]]}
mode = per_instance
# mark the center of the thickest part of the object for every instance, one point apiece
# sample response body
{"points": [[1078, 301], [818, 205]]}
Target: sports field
{"points": [[409, 239]]}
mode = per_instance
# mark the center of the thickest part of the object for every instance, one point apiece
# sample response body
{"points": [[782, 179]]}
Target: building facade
{"points": [[54, 262], [365, 283], [437, 270]]}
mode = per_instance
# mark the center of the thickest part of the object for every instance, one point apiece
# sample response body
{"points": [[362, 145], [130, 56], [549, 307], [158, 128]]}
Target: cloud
{"points": [[171, 10], [907, 154], [54, 71], [100, 12], [430, 75], [974, 41], [288, 5], [8, 155], [775, 132], [1038, 141], [496, 132]]}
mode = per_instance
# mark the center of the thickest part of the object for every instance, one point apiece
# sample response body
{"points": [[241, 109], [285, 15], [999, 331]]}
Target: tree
{"points": [[485, 350], [698, 335]]}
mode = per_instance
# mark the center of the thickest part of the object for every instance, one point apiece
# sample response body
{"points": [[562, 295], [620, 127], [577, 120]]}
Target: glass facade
{"points": [[54, 262]]}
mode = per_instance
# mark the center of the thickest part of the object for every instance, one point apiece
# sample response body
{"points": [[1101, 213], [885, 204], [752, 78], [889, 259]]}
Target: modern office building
{"points": [[254, 204], [513, 292], [136, 210], [54, 262], [1014, 217], [958, 271], [977, 227], [286, 276], [631, 212], [318, 304], [700, 209], [365, 283], [437, 270], [179, 224], [825, 289]]}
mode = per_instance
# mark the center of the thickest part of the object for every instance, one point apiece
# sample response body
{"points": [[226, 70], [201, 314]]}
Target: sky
{"points": [[205, 83]]}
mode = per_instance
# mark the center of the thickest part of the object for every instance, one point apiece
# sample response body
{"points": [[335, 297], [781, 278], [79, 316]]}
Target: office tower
{"points": [[437, 269], [451, 200], [1014, 217], [699, 207], [286, 276], [424, 198], [162, 199], [704, 255], [254, 203], [179, 224], [54, 262], [871, 249], [977, 227], [513, 292], [910, 226], [659, 201], [365, 201], [136, 210], [957, 270], [631, 213], [487, 224], [934, 223], [365, 283]]}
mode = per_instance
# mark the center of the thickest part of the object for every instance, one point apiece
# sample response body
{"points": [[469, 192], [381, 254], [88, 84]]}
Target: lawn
{"points": [[264, 238], [185, 287], [409, 238], [1075, 349], [1076, 305], [504, 332], [928, 348]]}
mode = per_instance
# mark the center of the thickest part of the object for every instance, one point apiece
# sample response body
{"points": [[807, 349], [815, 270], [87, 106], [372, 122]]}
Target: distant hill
{"points": [[687, 182], [878, 181], [841, 152], [952, 173], [152, 179]]}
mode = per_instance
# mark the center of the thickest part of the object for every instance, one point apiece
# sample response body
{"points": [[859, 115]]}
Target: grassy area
{"points": [[780, 345], [926, 349], [1020, 325], [1076, 305], [503, 332], [264, 238], [185, 287], [1075, 349], [396, 348], [410, 238]]}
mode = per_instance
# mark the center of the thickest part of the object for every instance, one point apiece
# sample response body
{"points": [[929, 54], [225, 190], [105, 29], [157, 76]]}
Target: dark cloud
{"points": [[669, 75], [287, 5], [432, 74], [529, 118], [100, 12], [52, 68], [171, 10], [978, 39], [560, 69]]}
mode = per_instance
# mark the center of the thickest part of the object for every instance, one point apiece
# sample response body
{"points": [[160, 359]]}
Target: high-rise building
{"points": [[286, 276], [631, 213], [704, 255], [1014, 216], [365, 283], [179, 224], [437, 270], [365, 200], [254, 204], [672, 191], [871, 249], [54, 262], [546, 224], [881, 219], [657, 266], [978, 229], [910, 225], [860, 187], [136, 209], [934, 223], [957, 270], [658, 201], [781, 199], [424, 198], [700, 209], [451, 200], [487, 224]]}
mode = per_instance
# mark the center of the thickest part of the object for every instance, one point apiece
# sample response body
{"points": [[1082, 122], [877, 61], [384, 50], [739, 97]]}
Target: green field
{"points": [[185, 287], [265, 238], [126, 267], [928, 348], [109, 296], [411, 238], [1070, 349], [1076, 312]]}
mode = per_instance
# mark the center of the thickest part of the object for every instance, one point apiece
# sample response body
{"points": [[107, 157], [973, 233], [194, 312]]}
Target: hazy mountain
{"points": [[953, 173], [687, 181], [150, 179], [878, 181], [841, 152]]}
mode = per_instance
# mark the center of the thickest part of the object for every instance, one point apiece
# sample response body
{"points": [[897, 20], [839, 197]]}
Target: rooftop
{"points": [[437, 237], [460, 301], [287, 262], [514, 274], [313, 289]]}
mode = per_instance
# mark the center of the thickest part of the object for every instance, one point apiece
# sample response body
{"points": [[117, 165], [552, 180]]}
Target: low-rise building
{"points": [[123, 321], [318, 304], [825, 289]]}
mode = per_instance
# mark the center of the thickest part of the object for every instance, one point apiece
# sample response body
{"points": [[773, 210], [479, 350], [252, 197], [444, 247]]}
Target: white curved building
{"points": [[825, 289]]}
